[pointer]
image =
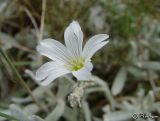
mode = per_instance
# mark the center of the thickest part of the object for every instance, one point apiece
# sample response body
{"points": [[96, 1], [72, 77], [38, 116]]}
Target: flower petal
{"points": [[94, 44], [88, 65], [53, 50], [44, 70], [84, 73], [73, 36], [55, 74], [49, 72]]}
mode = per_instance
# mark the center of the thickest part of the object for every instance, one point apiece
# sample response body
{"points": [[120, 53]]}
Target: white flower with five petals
{"points": [[72, 58]]}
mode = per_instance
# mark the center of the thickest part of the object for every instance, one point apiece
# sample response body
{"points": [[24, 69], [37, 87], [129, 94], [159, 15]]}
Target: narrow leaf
{"points": [[86, 111], [8, 116], [119, 81], [57, 112], [150, 65], [35, 118], [118, 116], [18, 113]]}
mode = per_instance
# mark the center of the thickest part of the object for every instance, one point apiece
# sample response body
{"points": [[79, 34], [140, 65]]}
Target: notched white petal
{"points": [[73, 36], [54, 75], [43, 71], [94, 44], [49, 72], [53, 50]]}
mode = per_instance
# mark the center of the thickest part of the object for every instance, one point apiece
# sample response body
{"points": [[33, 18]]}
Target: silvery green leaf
{"points": [[6, 41], [119, 81], [97, 118], [69, 111], [132, 54], [150, 119], [31, 109], [98, 80], [151, 47], [35, 118], [57, 112], [64, 87], [137, 72], [147, 105], [21, 100], [118, 116], [105, 88], [127, 106], [157, 106], [106, 109], [87, 111], [18, 113], [37, 92], [150, 65], [150, 97], [40, 91], [141, 92]]}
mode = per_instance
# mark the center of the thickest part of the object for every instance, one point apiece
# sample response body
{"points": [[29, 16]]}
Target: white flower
{"points": [[72, 58]]}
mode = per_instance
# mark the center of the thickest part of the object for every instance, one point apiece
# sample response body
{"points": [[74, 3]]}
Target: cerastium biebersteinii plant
{"points": [[72, 58]]}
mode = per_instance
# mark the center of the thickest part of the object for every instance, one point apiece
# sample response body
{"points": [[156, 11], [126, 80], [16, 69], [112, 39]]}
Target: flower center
{"points": [[77, 64]]}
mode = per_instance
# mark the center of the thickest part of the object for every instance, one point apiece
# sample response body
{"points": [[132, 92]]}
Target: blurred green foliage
{"points": [[129, 65]]}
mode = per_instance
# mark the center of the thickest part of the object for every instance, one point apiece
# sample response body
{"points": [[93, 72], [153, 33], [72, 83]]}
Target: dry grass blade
{"points": [[19, 78]]}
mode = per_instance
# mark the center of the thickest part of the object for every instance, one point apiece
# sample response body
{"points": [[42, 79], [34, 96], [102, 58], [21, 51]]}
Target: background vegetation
{"points": [[127, 69]]}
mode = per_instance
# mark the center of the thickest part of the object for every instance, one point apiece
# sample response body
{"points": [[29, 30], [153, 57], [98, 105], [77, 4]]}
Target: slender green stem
{"points": [[19, 78], [8, 116]]}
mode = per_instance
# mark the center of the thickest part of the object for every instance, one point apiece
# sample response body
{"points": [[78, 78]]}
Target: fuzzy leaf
{"points": [[118, 116], [18, 113], [150, 65], [35, 118], [57, 112], [6, 41], [87, 111], [119, 81]]}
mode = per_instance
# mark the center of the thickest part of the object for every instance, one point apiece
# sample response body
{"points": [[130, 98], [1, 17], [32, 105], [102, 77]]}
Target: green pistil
{"points": [[77, 64], [77, 67]]}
